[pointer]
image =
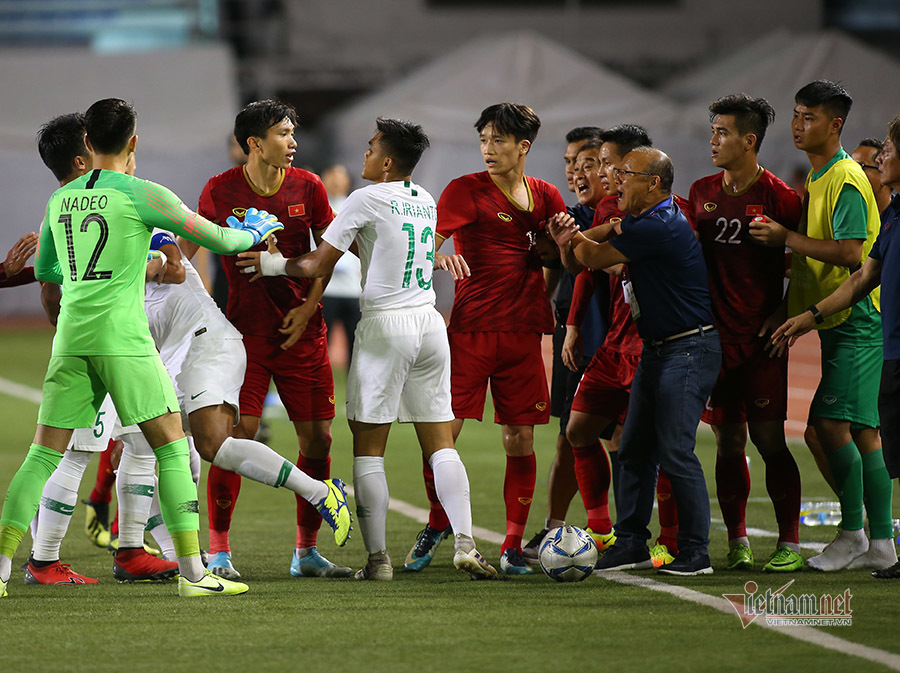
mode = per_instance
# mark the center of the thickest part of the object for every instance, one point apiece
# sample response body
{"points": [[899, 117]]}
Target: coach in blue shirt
{"points": [[669, 299], [881, 268]]}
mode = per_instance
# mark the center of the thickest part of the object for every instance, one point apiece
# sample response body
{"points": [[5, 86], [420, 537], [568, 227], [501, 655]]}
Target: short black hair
{"points": [[871, 142], [751, 115], [518, 120], [404, 141], [627, 137], [834, 99], [258, 117], [661, 166], [59, 141], [580, 133], [595, 144], [110, 124]]}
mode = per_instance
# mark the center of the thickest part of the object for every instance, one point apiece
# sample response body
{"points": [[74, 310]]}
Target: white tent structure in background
{"points": [[447, 95], [776, 67], [186, 101]]}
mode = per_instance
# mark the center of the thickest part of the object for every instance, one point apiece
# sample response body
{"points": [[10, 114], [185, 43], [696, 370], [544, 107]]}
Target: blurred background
{"points": [[189, 65]]}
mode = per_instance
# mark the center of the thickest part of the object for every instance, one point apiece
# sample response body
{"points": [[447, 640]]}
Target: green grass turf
{"points": [[436, 620]]}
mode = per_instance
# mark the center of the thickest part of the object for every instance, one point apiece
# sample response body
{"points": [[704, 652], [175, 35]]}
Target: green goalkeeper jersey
{"points": [[94, 242]]}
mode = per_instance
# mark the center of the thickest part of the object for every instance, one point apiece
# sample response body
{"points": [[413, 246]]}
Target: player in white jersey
{"points": [[400, 367], [205, 356]]}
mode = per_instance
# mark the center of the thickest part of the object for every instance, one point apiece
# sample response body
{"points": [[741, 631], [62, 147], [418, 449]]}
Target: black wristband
{"points": [[817, 316]]}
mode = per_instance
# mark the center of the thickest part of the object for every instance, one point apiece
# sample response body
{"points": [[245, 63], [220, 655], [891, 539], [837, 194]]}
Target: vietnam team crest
{"points": [[297, 210], [754, 211], [505, 217], [709, 206]]}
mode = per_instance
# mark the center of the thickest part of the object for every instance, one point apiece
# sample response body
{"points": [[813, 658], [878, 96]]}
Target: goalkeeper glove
{"points": [[258, 222]]}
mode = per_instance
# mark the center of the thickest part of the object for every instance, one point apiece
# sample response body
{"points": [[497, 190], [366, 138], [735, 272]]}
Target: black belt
{"points": [[680, 335]]}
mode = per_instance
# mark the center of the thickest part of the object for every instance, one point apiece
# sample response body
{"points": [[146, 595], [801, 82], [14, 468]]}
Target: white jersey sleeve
{"points": [[393, 224]]}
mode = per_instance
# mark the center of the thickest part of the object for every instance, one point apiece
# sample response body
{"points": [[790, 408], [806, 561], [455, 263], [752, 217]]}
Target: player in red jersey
{"points": [[265, 311], [561, 483], [746, 282], [500, 312]]}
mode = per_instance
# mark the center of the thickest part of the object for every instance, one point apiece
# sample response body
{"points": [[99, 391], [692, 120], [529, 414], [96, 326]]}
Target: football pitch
{"points": [[436, 620]]}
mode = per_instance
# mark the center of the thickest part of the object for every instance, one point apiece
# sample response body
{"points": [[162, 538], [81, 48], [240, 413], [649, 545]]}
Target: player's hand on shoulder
{"points": [[260, 223], [19, 254], [267, 263], [455, 264]]}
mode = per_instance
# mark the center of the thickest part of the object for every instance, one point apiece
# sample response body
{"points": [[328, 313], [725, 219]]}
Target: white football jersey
{"points": [[394, 225], [178, 313]]}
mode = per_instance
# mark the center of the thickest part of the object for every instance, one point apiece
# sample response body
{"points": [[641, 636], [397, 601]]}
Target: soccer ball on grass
{"points": [[567, 554]]}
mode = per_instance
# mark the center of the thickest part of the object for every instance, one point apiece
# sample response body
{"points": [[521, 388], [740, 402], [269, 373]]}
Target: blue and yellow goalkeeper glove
{"points": [[259, 223]]}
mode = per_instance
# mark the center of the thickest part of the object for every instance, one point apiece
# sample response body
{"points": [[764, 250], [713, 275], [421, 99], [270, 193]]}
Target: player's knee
{"points": [[518, 440], [730, 440]]}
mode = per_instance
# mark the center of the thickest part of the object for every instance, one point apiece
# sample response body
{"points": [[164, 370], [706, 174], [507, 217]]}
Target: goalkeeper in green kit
{"points": [[94, 242]]}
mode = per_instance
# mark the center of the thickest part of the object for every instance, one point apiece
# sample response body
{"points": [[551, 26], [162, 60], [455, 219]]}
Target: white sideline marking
{"points": [[806, 634], [803, 633], [14, 389]]}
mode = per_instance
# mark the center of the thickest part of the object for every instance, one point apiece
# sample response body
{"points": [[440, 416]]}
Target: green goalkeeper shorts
{"points": [[851, 369], [75, 385]]}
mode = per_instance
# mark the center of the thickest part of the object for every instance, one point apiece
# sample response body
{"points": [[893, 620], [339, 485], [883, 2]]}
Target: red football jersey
{"points": [[506, 291], [746, 279], [622, 335], [301, 204]]}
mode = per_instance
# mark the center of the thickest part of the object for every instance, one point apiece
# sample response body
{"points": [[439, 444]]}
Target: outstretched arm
{"points": [[46, 264]]}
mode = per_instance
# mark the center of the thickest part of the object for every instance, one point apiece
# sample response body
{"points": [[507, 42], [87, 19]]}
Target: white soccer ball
{"points": [[568, 554]]}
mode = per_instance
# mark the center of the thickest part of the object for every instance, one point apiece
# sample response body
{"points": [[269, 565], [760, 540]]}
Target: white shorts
{"points": [[400, 368], [212, 373], [96, 438]]}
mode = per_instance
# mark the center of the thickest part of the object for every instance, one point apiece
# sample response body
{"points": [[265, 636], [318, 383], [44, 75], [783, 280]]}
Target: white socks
{"points": [[257, 461], [57, 504], [157, 528], [135, 489], [452, 485], [370, 485]]}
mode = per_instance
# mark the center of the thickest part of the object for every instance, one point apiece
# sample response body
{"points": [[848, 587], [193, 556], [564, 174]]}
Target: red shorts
{"points": [[302, 376], [513, 365], [606, 385], [751, 386]]}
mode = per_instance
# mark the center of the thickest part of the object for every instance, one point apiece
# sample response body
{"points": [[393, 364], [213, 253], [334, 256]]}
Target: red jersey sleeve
{"points": [[206, 208], [455, 208], [581, 297], [787, 207], [686, 208]]}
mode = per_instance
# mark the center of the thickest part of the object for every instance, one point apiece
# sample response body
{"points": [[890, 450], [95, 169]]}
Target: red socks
{"points": [[732, 490], [106, 478], [222, 489], [668, 513], [783, 485], [437, 518], [594, 476], [518, 491], [308, 518]]}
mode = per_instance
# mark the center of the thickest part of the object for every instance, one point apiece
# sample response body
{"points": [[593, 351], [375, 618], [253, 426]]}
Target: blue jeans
{"points": [[671, 386]]}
